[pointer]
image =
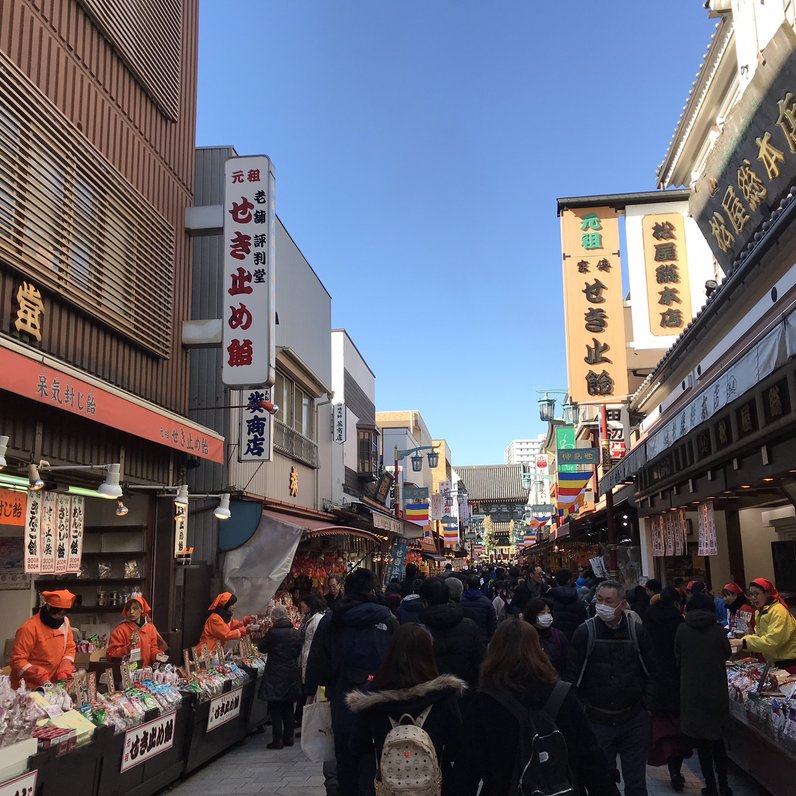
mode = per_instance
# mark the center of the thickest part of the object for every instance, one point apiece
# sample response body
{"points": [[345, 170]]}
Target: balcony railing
{"points": [[295, 445]]}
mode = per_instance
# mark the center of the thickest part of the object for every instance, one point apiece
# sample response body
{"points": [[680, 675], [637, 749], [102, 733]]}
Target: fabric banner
{"points": [[47, 529], [450, 531], [63, 519], [680, 544], [33, 534], [708, 544], [417, 513], [436, 507], [76, 525], [668, 520], [656, 531]]}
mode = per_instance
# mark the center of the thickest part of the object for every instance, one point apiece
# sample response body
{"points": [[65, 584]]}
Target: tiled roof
{"points": [[494, 482]]}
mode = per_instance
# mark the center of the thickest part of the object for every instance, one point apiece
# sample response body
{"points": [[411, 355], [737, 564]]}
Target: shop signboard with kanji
{"points": [[752, 165], [142, 743], [255, 440], [247, 291], [593, 305]]}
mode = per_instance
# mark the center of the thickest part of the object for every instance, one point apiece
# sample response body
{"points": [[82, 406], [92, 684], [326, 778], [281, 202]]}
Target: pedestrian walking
{"points": [[350, 644], [479, 608], [611, 662], [408, 683], [516, 679], [553, 641], [668, 745], [456, 587], [568, 611], [411, 605], [701, 649], [458, 646], [281, 683]]}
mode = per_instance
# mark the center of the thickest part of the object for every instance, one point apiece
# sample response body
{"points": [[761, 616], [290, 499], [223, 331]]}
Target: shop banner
{"points": [[680, 533], [32, 534], [224, 708], [598, 567], [708, 544], [47, 532], [656, 531], [255, 427], [144, 742], [21, 786], [63, 518], [12, 508], [180, 530], [396, 568], [436, 507], [339, 418], [76, 525]]}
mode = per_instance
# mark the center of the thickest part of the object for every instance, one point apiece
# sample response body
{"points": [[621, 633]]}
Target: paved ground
{"points": [[253, 769]]}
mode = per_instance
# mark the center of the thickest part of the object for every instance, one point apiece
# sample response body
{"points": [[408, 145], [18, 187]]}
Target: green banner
{"points": [[565, 439]]}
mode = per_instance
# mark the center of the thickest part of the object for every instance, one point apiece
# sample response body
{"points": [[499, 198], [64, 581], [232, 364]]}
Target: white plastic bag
{"points": [[317, 741]]}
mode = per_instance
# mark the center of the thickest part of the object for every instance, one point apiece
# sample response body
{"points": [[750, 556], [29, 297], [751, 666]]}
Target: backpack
{"points": [[541, 767], [408, 764], [357, 652], [591, 629]]}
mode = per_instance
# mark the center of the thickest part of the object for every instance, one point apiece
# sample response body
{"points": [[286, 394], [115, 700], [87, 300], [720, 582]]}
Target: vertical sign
{"points": [[76, 524], [708, 545], [666, 268], [63, 519], [593, 305], [47, 530], [565, 440], [33, 534], [339, 423], [180, 530], [247, 291], [255, 441]]}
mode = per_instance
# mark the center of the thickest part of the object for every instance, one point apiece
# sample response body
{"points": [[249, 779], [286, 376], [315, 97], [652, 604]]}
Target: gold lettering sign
{"points": [[30, 312], [666, 266], [593, 305]]}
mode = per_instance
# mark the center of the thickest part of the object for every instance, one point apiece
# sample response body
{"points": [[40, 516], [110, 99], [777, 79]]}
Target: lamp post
{"points": [[417, 466]]}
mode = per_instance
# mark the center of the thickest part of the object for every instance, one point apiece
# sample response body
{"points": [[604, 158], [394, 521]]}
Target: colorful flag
{"points": [[450, 532], [417, 512]]}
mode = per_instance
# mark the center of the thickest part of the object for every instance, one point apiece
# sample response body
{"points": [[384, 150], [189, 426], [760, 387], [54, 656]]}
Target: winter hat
{"points": [[455, 587]]}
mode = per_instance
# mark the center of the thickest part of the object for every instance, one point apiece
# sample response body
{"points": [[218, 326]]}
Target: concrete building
{"points": [[523, 451]]}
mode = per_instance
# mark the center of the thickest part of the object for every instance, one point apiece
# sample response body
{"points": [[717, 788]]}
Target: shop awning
{"points": [[433, 556], [313, 528]]}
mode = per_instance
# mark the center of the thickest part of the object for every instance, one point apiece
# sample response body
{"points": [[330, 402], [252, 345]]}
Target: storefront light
{"points": [[222, 511], [35, 484], [3, 449]]}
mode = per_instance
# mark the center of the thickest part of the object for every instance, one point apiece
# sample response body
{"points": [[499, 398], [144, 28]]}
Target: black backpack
{"points": [[541, 767]]}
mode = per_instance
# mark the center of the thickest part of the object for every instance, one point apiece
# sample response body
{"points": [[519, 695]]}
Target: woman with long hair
{"points": [[537, 612], [517, 678], [408, 682]]}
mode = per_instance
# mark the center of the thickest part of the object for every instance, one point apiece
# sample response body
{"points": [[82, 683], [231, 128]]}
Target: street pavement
{"points": [[252, 769]]}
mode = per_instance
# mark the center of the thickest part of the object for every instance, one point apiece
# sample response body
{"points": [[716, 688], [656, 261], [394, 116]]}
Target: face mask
{"points": [[606, 612], [544, 620]]}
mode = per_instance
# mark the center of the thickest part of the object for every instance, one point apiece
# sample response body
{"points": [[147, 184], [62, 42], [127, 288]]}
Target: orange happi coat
{"points": [[40, 653], [120, 644], [217, 631]]}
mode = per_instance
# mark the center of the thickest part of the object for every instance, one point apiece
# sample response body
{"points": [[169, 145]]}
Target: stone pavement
{"points": [[252, 769]]}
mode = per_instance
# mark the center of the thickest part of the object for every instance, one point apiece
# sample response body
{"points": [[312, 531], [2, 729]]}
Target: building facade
{"points": [[523, 451]]}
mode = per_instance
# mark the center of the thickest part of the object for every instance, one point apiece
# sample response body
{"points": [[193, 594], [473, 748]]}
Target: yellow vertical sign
{"points": [[593, 305], [666, 266]]}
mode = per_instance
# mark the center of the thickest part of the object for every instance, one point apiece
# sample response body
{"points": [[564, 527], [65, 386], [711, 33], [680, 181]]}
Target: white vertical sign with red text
{"points": [[247, 291]]}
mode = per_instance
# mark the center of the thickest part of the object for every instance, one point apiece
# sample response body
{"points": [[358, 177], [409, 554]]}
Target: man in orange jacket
{"points": [[44, 648], [220, 627]]}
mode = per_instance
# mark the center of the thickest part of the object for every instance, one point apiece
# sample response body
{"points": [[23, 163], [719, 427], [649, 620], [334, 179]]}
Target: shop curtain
{"points": [[254, 570]]}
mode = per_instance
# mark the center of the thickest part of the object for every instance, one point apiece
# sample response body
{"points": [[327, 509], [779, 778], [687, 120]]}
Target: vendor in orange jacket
{"points": [[136, 638], [44, 648], [220, 627]]}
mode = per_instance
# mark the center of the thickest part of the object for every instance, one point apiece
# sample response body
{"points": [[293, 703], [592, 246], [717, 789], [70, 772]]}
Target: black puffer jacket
{"points": [[481, 611], [282, 677], [568, 611], [409, 609], [458, 647], [661, 622], [615, 686]]}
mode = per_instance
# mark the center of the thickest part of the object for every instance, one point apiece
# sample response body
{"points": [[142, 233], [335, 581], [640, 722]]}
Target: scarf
{"points": [[224, 613], [49, 621], [767, 585]]}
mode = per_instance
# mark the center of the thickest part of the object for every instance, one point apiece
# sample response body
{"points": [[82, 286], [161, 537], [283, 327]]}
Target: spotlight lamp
{"points": [[181, 498], [110, 487], [121, 509], [35, 484], [222, 511]]}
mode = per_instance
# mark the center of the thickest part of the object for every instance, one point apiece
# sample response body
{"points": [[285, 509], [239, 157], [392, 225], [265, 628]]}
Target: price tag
{"points": [[21, 786], [224, 708]]}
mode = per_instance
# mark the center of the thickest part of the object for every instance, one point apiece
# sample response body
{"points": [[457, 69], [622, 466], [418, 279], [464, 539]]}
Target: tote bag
{"points": [[317, 741]]}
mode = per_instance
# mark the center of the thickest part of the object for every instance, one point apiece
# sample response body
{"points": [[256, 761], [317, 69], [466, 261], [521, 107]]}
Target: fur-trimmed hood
{"points": [[358, 701]]}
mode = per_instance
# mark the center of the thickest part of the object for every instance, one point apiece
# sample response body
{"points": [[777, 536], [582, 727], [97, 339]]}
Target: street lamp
{"points": [[571, 414], [417, 465], [547, 407]]}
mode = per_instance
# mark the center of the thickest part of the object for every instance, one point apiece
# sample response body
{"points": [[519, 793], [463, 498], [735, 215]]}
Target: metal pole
{"points": [[609, 496], [397, 488]]}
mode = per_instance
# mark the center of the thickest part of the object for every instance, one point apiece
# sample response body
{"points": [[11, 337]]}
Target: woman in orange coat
{"points": [[220, 627], [136, 638], [44, 648]]}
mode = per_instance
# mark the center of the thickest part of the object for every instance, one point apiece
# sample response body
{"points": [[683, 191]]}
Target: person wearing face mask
{"points": [[44, 648], [136, 638], [220, 627], [775, 628], [611, 663], [553, 641]]}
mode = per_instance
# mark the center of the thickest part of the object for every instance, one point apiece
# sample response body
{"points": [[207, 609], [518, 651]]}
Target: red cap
{"points": [[690, 585], [145, 609]]}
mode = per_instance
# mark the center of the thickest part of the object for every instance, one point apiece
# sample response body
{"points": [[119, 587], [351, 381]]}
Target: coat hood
{"points": [[444, 616], [564, 594], [359, 612], [364, 700], [701, 618], [473, 594], [662, 613]]}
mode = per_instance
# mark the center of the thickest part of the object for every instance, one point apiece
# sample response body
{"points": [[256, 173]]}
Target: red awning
{"points": [[314, 527]]}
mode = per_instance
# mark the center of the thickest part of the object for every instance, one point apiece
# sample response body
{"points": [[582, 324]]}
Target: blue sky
{"points": [[419, 148]]}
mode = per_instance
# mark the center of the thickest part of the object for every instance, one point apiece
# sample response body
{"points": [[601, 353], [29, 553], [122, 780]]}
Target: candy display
{"points": [[18, 714]]}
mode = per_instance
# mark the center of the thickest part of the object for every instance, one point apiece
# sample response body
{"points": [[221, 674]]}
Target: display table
{"points": [[757, 753], [257, 708], [216, 725]]}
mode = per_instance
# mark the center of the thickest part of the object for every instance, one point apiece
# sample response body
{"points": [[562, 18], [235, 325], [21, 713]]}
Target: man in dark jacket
{"points": [[348, 647], [479, 608], [568, 611], [411, 605], [458, 646], [411, 576], [612, 665]]}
